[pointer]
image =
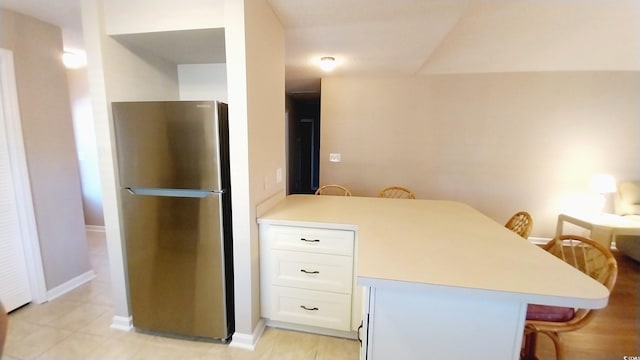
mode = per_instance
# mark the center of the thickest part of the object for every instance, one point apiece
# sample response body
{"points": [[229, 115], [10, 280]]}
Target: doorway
{"points": [[304, 145]]}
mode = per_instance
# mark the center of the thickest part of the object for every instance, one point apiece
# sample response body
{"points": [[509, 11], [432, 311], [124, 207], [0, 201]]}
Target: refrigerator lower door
{"points": [[175, 263]]}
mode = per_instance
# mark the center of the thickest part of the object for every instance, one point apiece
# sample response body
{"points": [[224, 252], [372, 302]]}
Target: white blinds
{"points": [[14, 281]]}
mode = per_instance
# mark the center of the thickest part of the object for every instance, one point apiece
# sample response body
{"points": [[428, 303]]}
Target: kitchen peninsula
{"points": [[439, 277]]}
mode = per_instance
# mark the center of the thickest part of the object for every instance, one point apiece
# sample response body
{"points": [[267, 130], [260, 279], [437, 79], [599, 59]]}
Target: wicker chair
{"points": [[520, 223], [337, 190], [396, 192], [587, 256]]}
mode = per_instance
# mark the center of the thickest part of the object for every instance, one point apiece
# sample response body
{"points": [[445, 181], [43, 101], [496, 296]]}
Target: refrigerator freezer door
{"points": [[169, 144], [175, 264]]}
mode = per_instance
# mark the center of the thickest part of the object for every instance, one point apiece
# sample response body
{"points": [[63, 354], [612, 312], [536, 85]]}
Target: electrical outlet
{"points": [[333, 157], [279, 175]]}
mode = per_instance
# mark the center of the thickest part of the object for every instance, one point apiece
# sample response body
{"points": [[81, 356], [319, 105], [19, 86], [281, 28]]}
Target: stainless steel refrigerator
{"points": [[175, 192]]}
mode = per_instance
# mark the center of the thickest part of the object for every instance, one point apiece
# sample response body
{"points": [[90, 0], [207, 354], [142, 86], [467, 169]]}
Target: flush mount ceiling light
{"points": [[327, 63], [74, 60]]}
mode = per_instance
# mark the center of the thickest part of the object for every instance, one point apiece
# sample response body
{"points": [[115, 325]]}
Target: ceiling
{"points": [[421, 37], [63, 13], [366, 37], [186, 46]]}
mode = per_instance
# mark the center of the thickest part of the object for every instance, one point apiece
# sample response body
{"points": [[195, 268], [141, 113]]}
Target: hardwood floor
{"points": [[615, 331]]}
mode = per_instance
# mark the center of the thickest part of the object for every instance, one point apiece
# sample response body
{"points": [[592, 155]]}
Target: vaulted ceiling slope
{"points": [[420, 37], [561, 35]]}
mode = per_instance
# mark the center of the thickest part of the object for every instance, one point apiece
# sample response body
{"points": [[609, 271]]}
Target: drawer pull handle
{"points": [[309, 240], [309, 309], [310, 272]]}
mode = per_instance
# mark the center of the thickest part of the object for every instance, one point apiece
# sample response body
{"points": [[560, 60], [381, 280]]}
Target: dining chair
{"points": [[591, 258], [520, 223], [333, 189], [396, 192]]}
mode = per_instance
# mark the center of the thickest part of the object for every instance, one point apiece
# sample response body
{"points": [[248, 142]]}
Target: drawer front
{"points": [[312, 308], [325, 241], [312, 271]]}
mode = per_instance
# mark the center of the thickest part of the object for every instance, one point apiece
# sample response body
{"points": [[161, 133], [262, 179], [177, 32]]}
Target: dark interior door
{"points": [[304, 146]]}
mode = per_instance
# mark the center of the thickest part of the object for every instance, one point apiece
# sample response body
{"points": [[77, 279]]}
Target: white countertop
{"points": [[427, 243]]}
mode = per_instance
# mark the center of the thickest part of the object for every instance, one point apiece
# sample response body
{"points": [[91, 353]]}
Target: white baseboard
{"points": [[248, 341], [95, 228], [122, 323], [313, 329], [538, 240], [70, 285]]}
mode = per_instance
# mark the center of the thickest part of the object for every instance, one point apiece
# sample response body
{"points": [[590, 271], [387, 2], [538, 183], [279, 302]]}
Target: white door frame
{"points": [[10, 114]]}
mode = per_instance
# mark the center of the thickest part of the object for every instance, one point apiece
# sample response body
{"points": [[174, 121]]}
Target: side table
{"points": [[604, 227]]}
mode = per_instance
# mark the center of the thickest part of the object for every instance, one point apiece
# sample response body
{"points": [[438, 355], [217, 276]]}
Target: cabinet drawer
{"points": [[312, 271], [310, 307], [339, 242]]}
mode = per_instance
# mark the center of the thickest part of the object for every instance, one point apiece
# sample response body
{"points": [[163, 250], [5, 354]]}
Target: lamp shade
{"points": [[602, 184]]}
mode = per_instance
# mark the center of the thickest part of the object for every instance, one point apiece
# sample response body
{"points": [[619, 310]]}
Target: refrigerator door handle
{"points": [[186, 193]]}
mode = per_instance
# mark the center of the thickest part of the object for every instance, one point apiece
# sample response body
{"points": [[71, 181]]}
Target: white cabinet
{"points": [[421, 301], [312, 271], [403, 321], [307, 279], [309, 307]]}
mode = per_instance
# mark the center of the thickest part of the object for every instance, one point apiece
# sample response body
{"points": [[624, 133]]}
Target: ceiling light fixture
{"points": [[327, 63], [74, 60]]}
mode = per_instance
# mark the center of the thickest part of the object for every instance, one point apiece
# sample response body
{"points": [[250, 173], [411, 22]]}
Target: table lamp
{"points": [[602, 184]]}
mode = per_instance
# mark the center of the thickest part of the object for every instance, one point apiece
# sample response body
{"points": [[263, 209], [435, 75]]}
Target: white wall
{"points": [[265, 51], [255, 77], [500, 142], [203, 82], [86, 149], [117, 73], [47, 128], [140, 16], [255, 70]]}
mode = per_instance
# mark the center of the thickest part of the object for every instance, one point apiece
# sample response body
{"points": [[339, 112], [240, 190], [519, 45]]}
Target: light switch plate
{"points": [[333, 157]]}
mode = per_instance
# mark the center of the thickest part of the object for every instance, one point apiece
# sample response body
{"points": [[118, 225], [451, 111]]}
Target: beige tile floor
{"points": [[76, 326]]}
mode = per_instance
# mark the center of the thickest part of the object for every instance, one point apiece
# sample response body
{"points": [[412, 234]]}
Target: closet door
{"points": [[14, 280]]}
